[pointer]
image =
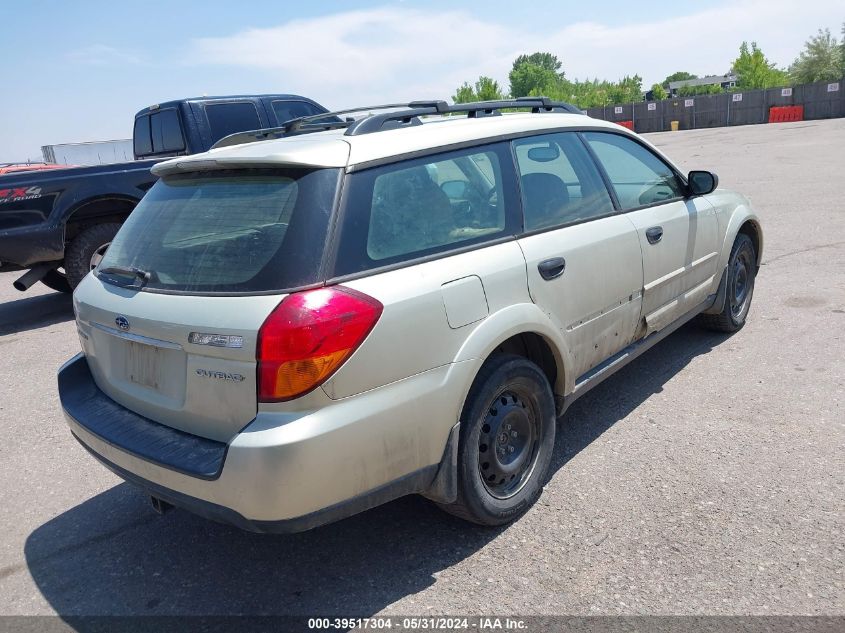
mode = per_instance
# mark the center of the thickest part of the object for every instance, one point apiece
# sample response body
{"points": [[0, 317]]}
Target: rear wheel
{"points": [[742, 267], [507, 438], [57, 280], [87, 249]]}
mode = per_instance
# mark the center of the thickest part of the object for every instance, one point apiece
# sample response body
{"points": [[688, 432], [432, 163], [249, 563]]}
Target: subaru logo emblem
{"points": [[122, 322]]}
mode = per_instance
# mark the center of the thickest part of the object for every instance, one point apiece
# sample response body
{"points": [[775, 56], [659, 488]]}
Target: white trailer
{"points": [[93, 153]]}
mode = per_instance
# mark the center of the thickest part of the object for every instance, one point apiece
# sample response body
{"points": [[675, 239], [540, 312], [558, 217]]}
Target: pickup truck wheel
{"points": [[506, 442], [742, 267], [87, 249], [56, 280]]}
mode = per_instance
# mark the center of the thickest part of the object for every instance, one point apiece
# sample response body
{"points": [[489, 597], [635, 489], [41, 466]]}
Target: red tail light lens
{"points": [[308, 337]]}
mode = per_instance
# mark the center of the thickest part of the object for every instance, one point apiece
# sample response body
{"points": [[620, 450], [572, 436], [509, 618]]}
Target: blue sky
{"points": [[78, 71]]}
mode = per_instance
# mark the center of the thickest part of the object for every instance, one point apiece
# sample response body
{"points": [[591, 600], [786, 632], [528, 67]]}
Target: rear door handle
{"points": [[551, 268], [654, 234]]}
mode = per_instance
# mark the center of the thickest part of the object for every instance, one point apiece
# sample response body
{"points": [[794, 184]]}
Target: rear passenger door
{"points": [[584, 259], [678, 235]]}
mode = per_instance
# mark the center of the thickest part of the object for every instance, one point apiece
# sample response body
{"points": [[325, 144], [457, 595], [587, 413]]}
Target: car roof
{"points": [[332, 148], [221, 99]]}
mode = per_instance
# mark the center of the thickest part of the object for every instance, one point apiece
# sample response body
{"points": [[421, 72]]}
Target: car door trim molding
{"points": [[680, 272], [620, 303]]}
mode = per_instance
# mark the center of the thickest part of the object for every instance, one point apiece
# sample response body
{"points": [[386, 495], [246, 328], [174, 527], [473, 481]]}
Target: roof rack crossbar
{"points": [[301, 125], [476, 109], [402, 114], [264, 134]]}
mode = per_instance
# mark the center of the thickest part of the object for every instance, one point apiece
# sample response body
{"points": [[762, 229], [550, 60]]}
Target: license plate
{"points": [[142, 364]]}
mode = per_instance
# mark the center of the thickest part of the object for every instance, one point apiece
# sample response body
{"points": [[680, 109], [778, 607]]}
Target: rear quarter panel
{"points": [[414, 334]]}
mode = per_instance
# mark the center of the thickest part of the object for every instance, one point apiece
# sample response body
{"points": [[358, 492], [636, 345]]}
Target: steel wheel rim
{"points": [[741, 282], [508, 443], [98, 254]]}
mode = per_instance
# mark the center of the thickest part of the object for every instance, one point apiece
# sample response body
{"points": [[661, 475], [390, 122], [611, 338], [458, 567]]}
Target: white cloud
{"points": [[103, 55], [397, 53], [401, 53]]}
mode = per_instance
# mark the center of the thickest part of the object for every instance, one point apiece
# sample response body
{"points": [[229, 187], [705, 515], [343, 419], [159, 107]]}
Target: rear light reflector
{"points": [[308, 337]]}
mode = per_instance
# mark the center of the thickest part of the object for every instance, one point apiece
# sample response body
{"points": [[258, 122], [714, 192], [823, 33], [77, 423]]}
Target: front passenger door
{"points": [[584, 261], [678, 235]]}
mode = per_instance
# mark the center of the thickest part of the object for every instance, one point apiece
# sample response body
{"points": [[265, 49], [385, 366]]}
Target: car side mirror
{"points": [[702, 182]]}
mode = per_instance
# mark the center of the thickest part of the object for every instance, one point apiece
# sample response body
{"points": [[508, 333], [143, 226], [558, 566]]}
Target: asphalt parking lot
{"points": [[707, 477]]}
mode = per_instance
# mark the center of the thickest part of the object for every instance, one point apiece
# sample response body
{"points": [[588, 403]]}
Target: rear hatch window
{"points": [[228, 231]]}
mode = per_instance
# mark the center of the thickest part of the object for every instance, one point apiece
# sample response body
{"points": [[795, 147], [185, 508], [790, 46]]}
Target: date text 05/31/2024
{"points": [[418, 624]]}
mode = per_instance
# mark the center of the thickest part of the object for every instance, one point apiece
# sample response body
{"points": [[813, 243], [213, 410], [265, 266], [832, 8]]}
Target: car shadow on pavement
{"points": [[111, 555], [31, 313], [615, 398]]}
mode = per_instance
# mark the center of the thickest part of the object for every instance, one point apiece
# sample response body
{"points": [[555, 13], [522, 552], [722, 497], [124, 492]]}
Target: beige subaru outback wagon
{"points": [[308, 321]]}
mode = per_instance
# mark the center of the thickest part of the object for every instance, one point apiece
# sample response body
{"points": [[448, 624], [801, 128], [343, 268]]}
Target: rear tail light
{"points": [[308, 337]]}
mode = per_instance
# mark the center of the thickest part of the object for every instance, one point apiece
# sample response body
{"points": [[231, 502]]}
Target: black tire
{"points": [[742, 268], [56, 281], [80, 251], [506, 441]]}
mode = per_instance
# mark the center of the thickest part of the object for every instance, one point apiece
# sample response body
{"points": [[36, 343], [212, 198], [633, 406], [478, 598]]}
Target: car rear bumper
{"points": [[26, 246], [283, 472]]}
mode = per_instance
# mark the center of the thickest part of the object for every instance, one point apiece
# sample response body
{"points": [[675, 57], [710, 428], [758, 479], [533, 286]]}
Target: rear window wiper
{"points": [[138, 278]]}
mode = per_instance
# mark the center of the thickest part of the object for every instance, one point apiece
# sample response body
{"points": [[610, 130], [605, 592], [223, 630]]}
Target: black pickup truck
{"points": [[58, 223]]}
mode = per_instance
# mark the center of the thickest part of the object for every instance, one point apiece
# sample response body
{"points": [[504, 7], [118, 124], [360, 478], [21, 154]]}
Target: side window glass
{"points": [[559, 181], [433, 204], [288, 110], [638, 176], [425, 206], [141, 136], [228, 118], [167, 132]]}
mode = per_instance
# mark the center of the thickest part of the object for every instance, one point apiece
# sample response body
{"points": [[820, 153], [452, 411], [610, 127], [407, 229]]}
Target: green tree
{"points": [[692, 91], [534, 73], [544, 60], [753, 70], [540, 74], [842, 49], [485, 89], [464, 94], [626, 90], [678, 76], [532, 79], [658, 92], [821, 60]]}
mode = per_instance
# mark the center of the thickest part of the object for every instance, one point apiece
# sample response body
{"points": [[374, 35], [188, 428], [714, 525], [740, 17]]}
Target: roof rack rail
{"points": [[402, 115], [473, 110], [301, 125]]}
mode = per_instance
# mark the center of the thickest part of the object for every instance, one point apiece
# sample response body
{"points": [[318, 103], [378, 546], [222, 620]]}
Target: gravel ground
{"points": [[707, 477]]}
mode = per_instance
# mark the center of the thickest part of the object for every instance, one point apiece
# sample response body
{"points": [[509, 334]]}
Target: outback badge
{"points": [[220, 375]]}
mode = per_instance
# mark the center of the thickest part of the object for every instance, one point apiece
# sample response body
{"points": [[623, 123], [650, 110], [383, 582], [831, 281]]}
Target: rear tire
{"points": [[87, 248], [56, 281], [742, 268], [506, 441]]}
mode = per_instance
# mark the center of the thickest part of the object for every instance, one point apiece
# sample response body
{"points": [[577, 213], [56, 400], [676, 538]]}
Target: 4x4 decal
{"points": [[16, 194]]}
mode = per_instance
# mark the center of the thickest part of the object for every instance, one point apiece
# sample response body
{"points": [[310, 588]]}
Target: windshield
{"points": [[245, 230]]}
